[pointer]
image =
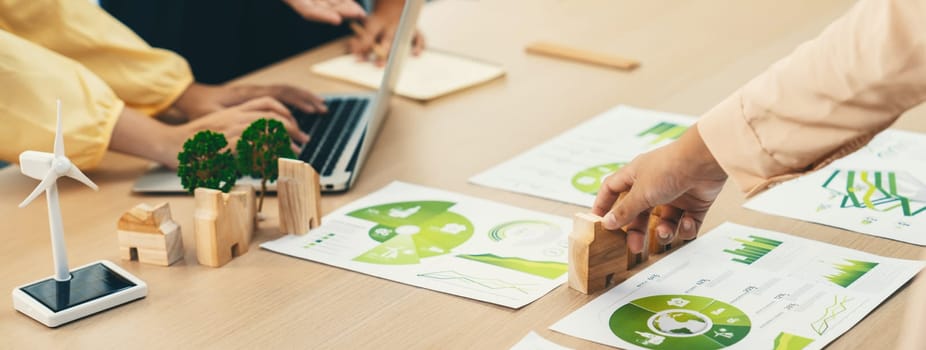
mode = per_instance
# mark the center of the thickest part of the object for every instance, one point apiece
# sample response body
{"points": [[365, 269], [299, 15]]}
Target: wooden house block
{"points": [[299, 193], [224, 224], [596, 255], [655, 248], [149, 235], [251, 203]]}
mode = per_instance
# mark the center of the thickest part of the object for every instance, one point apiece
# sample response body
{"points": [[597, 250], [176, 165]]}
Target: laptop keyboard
{"points": [[329, 132]]}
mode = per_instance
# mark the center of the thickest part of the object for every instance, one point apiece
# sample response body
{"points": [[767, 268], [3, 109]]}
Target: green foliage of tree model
{"points": [[260, 146], [204, 164]]}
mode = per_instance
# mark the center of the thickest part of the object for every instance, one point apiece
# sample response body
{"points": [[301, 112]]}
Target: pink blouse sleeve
{"points": [[824, 100]]}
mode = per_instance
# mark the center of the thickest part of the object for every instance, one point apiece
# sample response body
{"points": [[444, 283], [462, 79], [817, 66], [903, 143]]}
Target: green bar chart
{"points": [[664, 131], [752, 249], [850, 271]]}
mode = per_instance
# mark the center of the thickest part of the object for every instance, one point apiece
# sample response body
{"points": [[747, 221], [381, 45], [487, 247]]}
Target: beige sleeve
{"points": [[824, 100], [147, 79]]}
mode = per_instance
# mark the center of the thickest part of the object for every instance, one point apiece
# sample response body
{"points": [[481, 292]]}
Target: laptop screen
{"points": [[401, 46]]}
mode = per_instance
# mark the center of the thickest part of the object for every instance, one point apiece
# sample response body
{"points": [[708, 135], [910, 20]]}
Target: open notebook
{"points": [[427, 76]]}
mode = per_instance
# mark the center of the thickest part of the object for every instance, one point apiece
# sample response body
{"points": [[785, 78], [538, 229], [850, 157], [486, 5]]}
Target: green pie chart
{"points": [[679, 322], [589, 180], [410, 231]]}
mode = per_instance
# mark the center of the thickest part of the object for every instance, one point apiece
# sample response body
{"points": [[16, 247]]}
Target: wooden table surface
{"points": [[693, 54]]}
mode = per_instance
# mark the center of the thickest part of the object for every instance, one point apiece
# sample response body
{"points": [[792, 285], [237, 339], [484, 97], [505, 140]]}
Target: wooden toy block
{"points": [[251, 203], [653, 239], [596, 255], [223, 223], [299, 193], [149, 235]]}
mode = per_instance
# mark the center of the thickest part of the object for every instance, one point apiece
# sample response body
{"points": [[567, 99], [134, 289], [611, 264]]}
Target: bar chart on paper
{"points": [[570, 167], [752, 249], [878, 190], [739, 287]]}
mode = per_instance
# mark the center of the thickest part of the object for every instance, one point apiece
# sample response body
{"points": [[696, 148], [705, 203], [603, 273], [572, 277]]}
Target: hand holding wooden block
{"points": [[598, 256]]}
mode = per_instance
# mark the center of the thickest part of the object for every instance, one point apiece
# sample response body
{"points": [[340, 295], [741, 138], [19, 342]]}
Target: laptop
{"points": [[340, 139]]}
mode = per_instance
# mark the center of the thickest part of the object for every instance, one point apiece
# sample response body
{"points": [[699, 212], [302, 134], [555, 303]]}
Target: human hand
{"points": [[199, 99], [682, 178], [378, 30], [327, 11], [232, 121]]}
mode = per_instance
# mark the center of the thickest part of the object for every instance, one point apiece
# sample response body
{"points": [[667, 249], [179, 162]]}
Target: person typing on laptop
{"points": [[224, 39], [111, 83]]}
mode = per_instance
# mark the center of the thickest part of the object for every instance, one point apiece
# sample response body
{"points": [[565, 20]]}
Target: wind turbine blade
{"points": [[59, 135], [75, 174], [44, 185]]}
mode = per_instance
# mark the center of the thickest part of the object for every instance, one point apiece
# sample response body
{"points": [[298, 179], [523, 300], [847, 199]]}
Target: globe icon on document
{"points": [[679, 322]]}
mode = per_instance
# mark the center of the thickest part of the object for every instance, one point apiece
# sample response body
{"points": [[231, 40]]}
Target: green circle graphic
{"points": [[410, 231], [679, 322], [525, 232], [589, 180]]}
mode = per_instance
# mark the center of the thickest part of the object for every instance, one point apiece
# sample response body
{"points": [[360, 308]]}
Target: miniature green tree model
{"points": [[260, 146], [204, 164]]}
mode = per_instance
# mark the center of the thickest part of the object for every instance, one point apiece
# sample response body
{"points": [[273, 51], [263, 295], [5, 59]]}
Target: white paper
{"points": [[533, 341], [743, 288], [427, 76], [876, 190], [443, 241], [570, 167]]}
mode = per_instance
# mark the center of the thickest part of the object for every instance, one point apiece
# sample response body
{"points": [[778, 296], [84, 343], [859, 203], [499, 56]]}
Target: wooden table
{"points": [[693, 54]]}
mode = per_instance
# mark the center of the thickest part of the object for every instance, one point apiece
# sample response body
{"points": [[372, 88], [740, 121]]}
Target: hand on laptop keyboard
{"points": [[200, 99]]}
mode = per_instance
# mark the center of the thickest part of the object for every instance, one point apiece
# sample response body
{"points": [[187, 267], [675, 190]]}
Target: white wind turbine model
{"points": [[68, 295]]}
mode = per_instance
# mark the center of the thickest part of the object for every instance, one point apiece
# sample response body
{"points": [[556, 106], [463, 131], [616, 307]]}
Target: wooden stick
{"points": [[571, 53]]}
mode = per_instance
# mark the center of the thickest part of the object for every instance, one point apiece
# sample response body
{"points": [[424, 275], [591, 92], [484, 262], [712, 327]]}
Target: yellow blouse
{"points": [[75, 51]]}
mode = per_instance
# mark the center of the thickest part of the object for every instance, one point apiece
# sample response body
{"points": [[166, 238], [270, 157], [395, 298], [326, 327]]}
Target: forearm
{"points": [[826, 99], [142, 136]]}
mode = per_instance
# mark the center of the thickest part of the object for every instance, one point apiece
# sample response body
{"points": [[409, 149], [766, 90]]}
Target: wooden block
{"points": [[571, 53], [144, 218], [224, 223], [596, 255], [251, 203], [651, 237], [149, 235], [299, 194], [655, 248]]}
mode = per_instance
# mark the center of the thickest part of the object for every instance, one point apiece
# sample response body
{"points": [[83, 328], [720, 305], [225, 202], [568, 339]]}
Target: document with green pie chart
{"points": [[442, 241], [738, 287], [570, 167], [878, 190]]}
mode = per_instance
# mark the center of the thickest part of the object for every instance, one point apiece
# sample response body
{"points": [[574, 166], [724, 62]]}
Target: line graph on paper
{"points": [[479, 282], [879, 190], [882, 191], [830, 314]]}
